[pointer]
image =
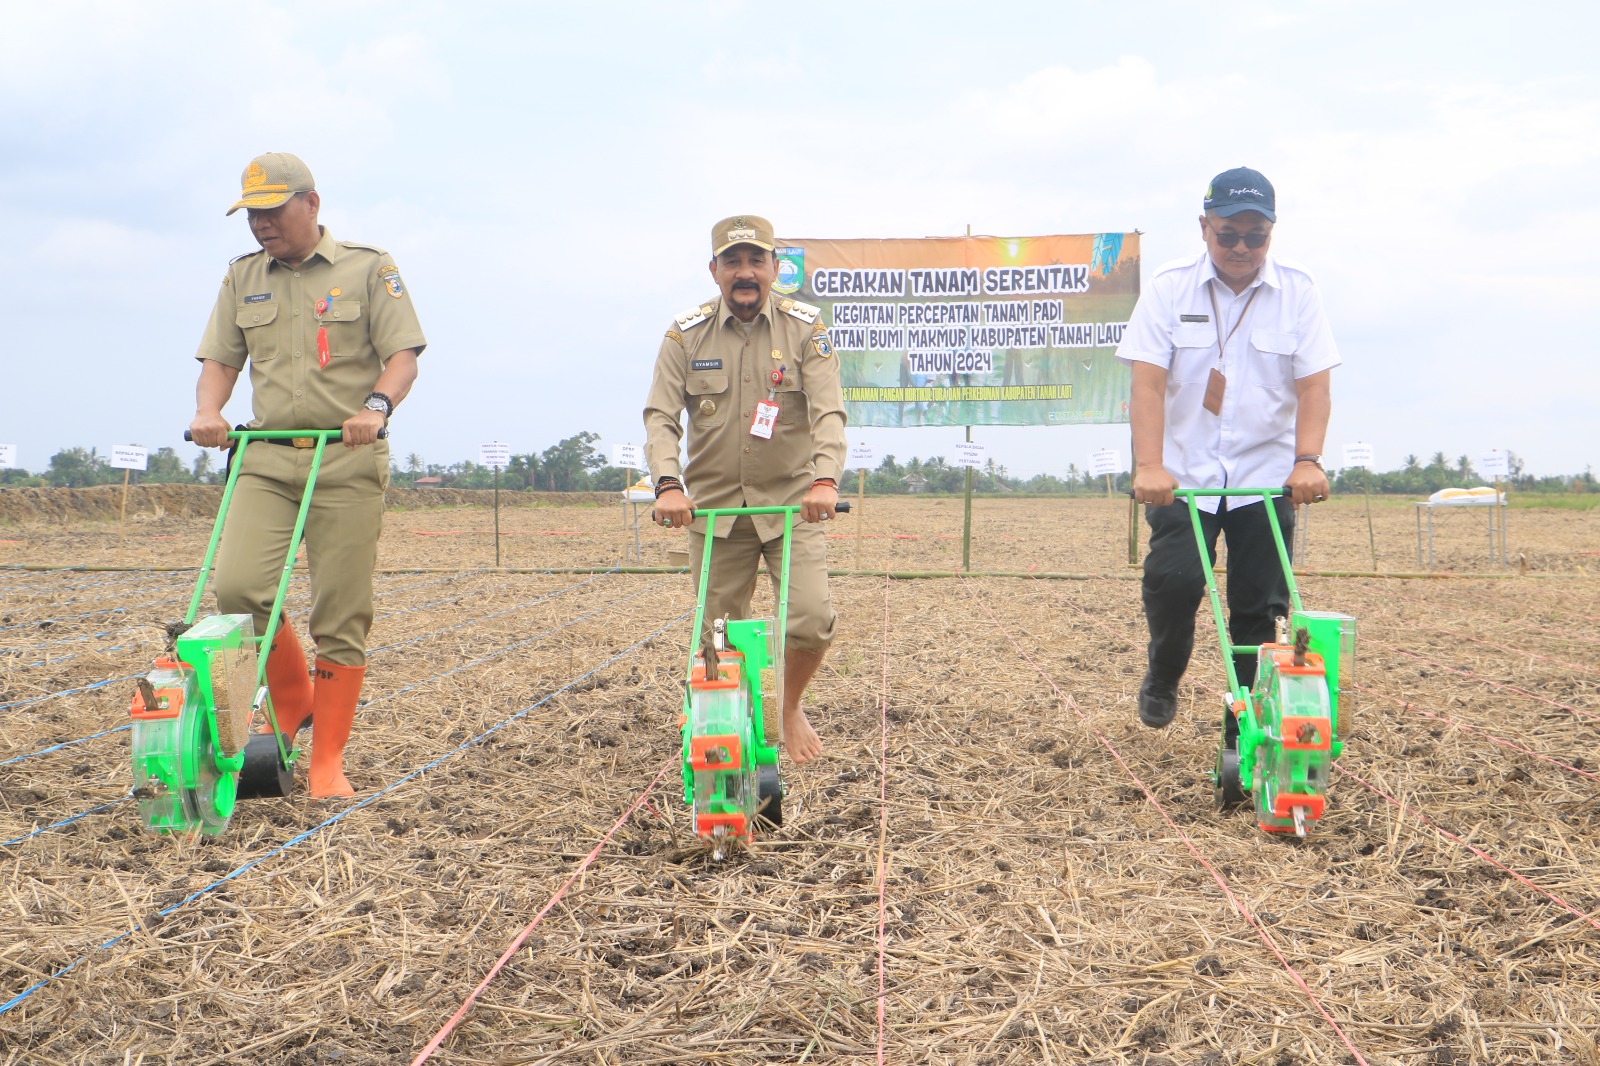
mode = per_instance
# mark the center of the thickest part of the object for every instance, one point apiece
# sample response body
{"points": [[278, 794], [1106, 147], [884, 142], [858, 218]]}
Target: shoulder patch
{"points": [[694, 316], [362, 247], [674, 335], [819, 342], [804, 312]]}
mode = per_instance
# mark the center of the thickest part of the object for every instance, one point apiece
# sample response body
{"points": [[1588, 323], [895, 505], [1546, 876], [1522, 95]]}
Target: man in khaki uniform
{"points": [[766, 429], [332, 340]]}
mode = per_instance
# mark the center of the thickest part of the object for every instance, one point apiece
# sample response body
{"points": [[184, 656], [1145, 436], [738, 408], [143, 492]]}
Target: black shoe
{"points": [[1158, 703]]}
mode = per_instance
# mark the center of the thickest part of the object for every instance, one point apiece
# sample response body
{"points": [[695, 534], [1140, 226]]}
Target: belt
{"points": [[292, 442]]}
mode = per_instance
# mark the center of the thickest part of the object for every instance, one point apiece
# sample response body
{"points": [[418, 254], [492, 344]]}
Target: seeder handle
{"points": [[283, 434], [842, 507], [1265, 496]]}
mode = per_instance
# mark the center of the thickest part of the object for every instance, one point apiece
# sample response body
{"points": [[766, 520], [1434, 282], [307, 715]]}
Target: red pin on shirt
{"points": [[321, 308]]}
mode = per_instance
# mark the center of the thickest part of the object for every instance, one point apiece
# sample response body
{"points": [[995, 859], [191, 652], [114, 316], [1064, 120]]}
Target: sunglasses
{"points": [[1229, 240]]}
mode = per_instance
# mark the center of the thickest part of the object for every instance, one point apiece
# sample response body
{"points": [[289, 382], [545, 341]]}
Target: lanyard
{"points": [[1222, 342]]}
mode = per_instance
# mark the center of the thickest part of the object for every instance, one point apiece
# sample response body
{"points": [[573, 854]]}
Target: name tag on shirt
{"points": [[1194, 318], [258, 298], [705, 364]]}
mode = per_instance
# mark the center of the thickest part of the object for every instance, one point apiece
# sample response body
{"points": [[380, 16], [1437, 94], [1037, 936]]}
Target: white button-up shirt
{"points": [[1284, 337]]}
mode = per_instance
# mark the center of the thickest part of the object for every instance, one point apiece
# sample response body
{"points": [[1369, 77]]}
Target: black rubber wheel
{"points": [[771, 806], [264, 776], [1227, 788]]}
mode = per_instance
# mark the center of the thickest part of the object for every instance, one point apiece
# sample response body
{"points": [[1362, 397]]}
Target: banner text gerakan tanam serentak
{"points": [[968, 331]]}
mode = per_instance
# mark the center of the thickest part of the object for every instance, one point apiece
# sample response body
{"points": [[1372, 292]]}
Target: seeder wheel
{"points": [[771, 803], [1226, 786], [264, 775]]}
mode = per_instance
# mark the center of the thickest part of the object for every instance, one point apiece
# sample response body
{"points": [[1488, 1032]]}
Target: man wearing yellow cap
{"points": [[758, 378], [331, 339]]}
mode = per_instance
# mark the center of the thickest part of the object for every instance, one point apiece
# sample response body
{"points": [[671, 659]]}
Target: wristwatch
{"points": [[1314, 460], [377, 401]]}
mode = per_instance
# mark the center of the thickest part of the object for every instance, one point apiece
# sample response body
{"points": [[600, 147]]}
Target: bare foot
{"points": [[334, 786], [800, 741]]}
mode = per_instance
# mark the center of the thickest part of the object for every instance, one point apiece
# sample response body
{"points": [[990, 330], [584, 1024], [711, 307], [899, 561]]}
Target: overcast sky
{"points": [[546, 174]]}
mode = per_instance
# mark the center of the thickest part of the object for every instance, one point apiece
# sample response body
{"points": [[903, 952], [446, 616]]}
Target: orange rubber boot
{"points": [[289, 682], [333, 709]]}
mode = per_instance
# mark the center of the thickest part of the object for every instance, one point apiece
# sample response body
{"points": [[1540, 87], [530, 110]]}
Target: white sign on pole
{"points": [[1105, 461], [8, 456], [1495, 464], [495, 453], [1358, 454], [128, 457], [969, 453], [863, 456], [628, 456]]}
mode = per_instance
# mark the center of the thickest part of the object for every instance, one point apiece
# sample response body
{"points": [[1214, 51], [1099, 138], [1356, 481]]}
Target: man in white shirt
{"points": [[1231, 357]]}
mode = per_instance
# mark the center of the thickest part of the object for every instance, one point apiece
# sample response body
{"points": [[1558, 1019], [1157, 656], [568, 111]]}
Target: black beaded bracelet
{"points": [[666, 483], [388, 404]]}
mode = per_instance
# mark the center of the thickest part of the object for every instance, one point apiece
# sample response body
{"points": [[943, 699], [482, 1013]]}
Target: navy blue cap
{"points": [[1241, 189]]}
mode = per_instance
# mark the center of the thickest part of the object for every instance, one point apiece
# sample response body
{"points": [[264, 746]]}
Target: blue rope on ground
{"points": [[66, 821], [367, 802]]}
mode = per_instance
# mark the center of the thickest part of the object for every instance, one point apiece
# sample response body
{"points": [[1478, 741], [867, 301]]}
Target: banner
{"points": [[969, 331]]}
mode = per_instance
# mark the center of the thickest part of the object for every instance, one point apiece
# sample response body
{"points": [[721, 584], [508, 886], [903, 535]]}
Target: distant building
{"points": [[915, 483], [427, 482]]}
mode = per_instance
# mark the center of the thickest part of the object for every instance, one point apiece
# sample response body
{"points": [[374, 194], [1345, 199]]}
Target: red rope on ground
{"points": [[883, 818], [1510, 649], [1490, 737], [1431, 824], [1563, 632], [527, 930], [1221, 882], [1479, 852], [1490, 681]]}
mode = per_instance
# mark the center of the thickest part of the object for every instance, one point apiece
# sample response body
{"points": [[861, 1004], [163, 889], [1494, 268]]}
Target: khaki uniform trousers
{"points": [[341, 539], [733, 578]]}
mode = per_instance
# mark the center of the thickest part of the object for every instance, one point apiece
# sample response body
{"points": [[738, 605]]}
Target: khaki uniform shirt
{"points": [[266, 315], [710, 368]]}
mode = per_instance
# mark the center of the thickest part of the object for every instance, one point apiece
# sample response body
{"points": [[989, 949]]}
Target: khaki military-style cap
{"points": [[271, 179], [741, 229]]}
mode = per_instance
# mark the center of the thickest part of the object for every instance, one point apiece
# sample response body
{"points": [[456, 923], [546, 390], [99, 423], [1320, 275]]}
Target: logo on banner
{"points": [[791, 269]]}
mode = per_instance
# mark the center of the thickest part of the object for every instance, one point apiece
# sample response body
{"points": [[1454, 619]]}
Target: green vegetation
{"points": [[573, 465], [1414, 479]]}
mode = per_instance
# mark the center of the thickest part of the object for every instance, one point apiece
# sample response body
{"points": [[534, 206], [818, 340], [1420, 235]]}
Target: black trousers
{"points": [[1175, 583]]}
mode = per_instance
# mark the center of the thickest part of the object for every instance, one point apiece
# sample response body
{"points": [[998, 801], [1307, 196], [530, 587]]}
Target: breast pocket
{"points": [[794, 406], [346, 332], [1273, 354], [1194, 352], [706, 397], [260, 338]]}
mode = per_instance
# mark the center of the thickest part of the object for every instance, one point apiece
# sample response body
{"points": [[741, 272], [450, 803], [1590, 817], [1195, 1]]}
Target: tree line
{"points": [[573, 465]]}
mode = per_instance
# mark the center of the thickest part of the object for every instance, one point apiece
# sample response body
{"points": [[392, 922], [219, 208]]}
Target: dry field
{"points": [[994, 863]]}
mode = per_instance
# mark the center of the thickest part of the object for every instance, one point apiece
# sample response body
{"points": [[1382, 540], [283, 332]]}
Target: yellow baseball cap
{"points": [[271, 179], [741, 229]]}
